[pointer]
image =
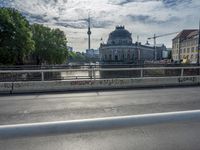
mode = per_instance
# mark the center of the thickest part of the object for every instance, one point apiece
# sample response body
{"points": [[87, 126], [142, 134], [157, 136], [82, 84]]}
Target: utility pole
{"points": [[179, 50], [155, 53], [138, 50], [89, 31], [198, 46], [198, 49]]}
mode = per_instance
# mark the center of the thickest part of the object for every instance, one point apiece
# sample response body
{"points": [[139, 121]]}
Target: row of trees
{"points": [[21, 42], [80, 58]]}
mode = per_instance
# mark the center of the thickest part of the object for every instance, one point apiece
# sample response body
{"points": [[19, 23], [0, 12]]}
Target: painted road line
{"points": [[86, 125]]}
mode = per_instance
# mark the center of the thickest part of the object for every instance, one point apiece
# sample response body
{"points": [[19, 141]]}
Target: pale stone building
{"points": [[121, 49], [185, 46]]}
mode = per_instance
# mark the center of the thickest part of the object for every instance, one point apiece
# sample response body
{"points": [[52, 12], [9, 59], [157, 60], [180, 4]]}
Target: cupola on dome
{"points": [[120, 36]]}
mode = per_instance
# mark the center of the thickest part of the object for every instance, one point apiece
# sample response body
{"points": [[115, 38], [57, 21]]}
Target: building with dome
{"points": [[120, 49]]}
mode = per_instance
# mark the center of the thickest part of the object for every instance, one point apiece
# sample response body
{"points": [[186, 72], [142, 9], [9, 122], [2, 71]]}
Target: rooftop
{"points": [[188, 33]]}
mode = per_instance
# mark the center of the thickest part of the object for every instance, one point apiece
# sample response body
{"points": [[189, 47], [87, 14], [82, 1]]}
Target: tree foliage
{"points": [[78, 57], [50, 45], [15, 37]]}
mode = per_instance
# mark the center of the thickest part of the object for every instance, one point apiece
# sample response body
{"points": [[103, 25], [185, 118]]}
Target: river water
{"points": [[79, 74]]}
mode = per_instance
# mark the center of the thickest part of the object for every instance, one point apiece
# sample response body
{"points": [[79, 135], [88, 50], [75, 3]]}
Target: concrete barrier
{"points": [[77, 126], [6, 87], [44, 86], [93, 83]]}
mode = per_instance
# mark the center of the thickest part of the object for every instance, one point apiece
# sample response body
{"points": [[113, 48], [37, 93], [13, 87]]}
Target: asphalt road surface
{"points": [[17, 109]]}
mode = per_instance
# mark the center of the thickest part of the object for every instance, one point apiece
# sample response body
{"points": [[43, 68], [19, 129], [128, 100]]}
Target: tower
{"points": [[89, 32]]}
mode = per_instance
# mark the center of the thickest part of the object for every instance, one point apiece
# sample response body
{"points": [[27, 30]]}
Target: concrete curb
{"points": [[77, 126]]}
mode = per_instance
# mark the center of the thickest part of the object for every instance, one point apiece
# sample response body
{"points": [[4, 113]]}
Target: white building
{"points": [[121, 49], [185, 46]]}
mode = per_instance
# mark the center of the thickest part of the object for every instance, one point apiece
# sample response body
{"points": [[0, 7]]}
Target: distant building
{"points": [[92, 53], [185, 46], [78, 53], [121, 49], [161, 50], [166, 53], [70, 49]]}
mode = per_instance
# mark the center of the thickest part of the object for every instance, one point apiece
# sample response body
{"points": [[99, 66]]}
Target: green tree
{"points": [[76, 57], [15, 37], [50, 45]]}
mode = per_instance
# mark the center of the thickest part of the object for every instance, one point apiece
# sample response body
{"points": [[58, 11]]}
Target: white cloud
{"points": [[141, 17]]}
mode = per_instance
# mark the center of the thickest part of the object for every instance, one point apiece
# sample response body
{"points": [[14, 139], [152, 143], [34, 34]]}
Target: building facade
{"points": [[70, 49], [92, 53], [121, 49], [185, 46]]}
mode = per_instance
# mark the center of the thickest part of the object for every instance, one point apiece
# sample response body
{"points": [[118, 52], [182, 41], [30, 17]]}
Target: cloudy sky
{"points": [[140, 17]]}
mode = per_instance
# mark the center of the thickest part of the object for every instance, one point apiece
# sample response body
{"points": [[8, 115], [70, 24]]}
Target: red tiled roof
{"points": [[194, 33], [185, 33]]}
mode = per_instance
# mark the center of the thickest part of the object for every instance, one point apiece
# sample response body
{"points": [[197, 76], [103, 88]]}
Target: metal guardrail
{"points": [[95, 73], [78, 126], [96, 69]]}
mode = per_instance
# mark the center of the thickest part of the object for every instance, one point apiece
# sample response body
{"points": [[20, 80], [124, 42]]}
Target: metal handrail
{"points": [[96, 69]]}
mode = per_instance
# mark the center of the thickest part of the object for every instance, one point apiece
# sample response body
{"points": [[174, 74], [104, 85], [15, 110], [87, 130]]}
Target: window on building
{"points": [[128, 56], [116, 58], [188, 50], [184, 50], [192, 49], [188, 43], [110, 57]]}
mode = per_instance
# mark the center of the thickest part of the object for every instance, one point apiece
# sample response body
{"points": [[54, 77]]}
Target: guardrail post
{"points": [[141, 73], [94, 73], [12, 87], [42, 76], [182, 72], [90, 72]]}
